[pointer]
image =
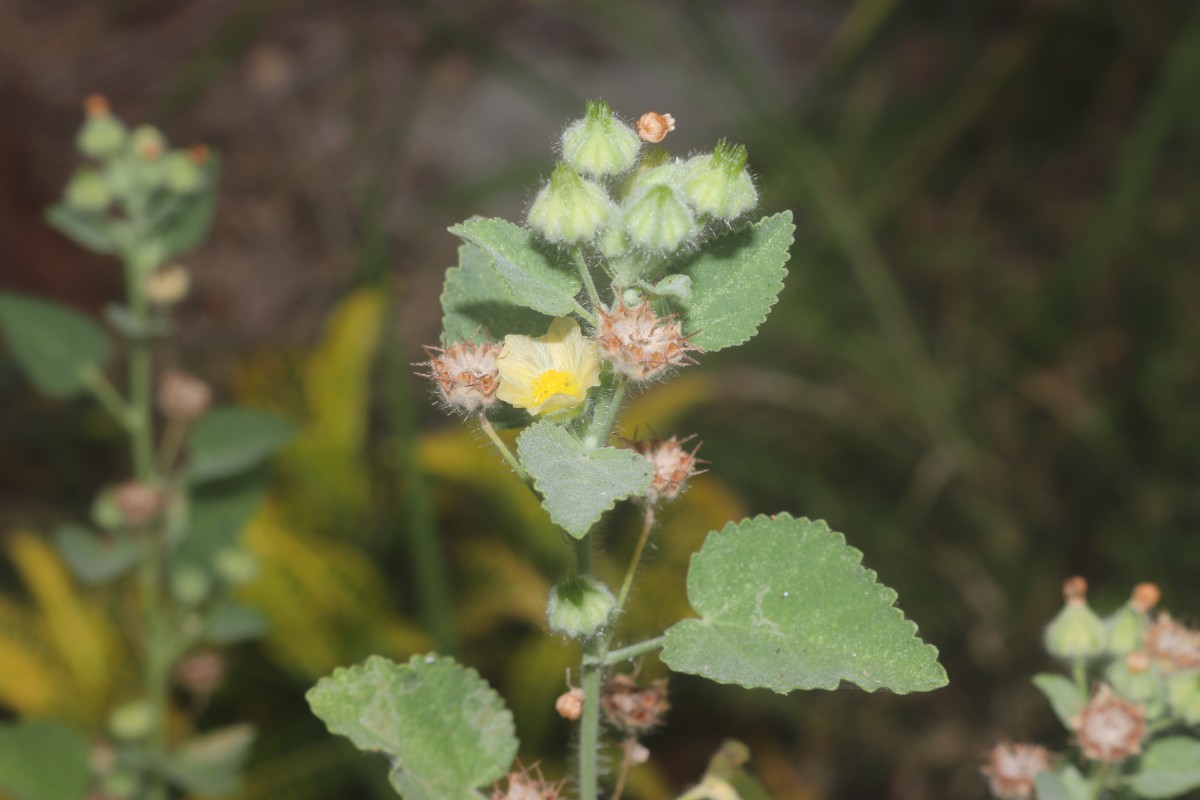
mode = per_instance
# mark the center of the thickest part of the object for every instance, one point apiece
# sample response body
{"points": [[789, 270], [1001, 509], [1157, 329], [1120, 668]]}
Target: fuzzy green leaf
{"points": [[444, 729], [231, 622], [95, 559], [476, 299], [43, 760], [785, 604], [229, 440], [211, 764], [55, 346], [1168, 769], [1067, 783], [577, 484], [736, 279], [1063, 695], [88, 230], [535, 273]]}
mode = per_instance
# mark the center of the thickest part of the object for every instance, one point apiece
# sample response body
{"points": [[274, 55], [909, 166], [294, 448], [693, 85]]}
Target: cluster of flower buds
{"points": [[466, 374], [1012, 769], [639, 344], [634, 709], [673, 466], [528, 784]]}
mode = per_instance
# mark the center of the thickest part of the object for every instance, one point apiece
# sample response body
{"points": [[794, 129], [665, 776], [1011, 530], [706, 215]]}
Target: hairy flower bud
{"points": [[466, 374], [653, 127], [570, 209], [640, 344], [1012, 769], [102, 135], [631, 708], [182, 172], [659, 219], [1109, 728], [600, 144], [1076, 632], [86, 191], [718, 185], [579, 607], [672, 467], [168, 285], [148, 143]]}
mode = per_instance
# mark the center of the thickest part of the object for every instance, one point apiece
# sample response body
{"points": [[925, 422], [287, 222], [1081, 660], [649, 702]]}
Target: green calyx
{"points": [[718, 185], [570, 209], [1076, 633], [579, 607], [101, 137], [600, 144], [659, 220]]}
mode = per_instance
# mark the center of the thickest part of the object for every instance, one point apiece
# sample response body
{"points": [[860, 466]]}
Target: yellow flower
{"points": [[548, 374]]}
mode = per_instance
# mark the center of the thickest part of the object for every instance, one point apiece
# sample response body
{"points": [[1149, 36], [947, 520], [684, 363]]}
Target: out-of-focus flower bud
{"points": [[658, 219], [1076, 633], [718, 185], [148, 143], [1134, 677], [201, 673], [579, 607], [86, 191], [1183, 695], [600, 144], [236, 566], [139, 503], [190, 586], [569, 704], [183, 174], [132, 721], [183, 397], [102, 135], [1110, 728]]}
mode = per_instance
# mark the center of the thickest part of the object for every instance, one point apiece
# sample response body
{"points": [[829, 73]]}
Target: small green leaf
{"points": [[55, 346], [1063, 695], [785, 604], [186, 230], [446, 731], [211, 764], [228, 440], [577, 484], [1067, 783], [477, 300], [231, 622], [736, 279], [95, 559], [89, 231], [535, 273], [43, 760], [1168, 769]]}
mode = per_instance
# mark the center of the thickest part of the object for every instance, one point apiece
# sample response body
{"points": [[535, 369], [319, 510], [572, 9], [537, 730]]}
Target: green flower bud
{"points": [[1134, 678], [600, 144], [718, 185], [183, 175], [613, 242], [120, 176], [87, 191], [579, 607], [190, 586], [236, 566], [1076, 633], [121, 784], [106, 513], [147, 143], [1183, 695], [569, 209], [102, 136], [659, 220], [1125, 630], [132, 721], [667, 173]]}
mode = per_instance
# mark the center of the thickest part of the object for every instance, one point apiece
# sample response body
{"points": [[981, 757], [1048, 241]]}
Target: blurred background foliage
{"points": [[981, 368]]}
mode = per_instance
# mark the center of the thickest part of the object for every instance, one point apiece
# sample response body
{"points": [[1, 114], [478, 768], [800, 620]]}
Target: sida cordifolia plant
{"points": [[630, 266], [161, 551], [1131, 702]]}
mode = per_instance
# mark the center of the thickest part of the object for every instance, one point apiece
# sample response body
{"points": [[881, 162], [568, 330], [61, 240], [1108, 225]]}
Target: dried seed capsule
{"points": [[1109, 728], [718, 184], [653, 127], [1076, 632], [640, 344], [673, 466], [529, 784], [631, 708], [1172, 645], [579, 607], [465, 374], [1012, 769]]}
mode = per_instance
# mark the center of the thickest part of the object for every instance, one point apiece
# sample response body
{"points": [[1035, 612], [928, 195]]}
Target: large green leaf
{"points": [[95, 559], [476, 300], [577, 484], [536, 274], [187, 228], [1063, 695], [1169, 768], [785, 604], [735, 281], [229, 440], [88, 230], [211, 764], [55, 346], [445, 730], [43, 760]]}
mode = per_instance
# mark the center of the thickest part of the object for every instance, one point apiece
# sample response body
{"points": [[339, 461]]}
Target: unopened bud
{"points": [[570, 209], [122, 783], [1012, 769], [168, 285], [139, 503], [86, 191], [659, 220], [148, 143], [183, 175], [1126, 628], [718, 185], [569, 704], [236, 566], [579, 607], [183, 397], [466, 374], [102, 135], [1076, 633], [201, 673], [1172, 646], [132, 721], [653, 127], [1133, 677], [600, 144], [1109, 728], [1183, 695], [635, 752], [190, 586], [631, 708], [106, 513], [673, 466], [199, 154]]}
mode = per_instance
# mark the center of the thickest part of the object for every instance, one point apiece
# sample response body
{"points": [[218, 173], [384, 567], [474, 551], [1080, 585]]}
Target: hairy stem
{"points": [[633, 650], [623, 595], [586, 275], [510, 458]]}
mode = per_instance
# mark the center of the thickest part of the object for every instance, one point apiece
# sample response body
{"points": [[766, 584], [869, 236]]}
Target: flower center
{"points": [[552, 382]]}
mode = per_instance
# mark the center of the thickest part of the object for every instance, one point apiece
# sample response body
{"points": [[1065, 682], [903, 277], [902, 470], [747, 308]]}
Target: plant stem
{"points": [[107, 395], [633, 650], [1079, 671], [586, 275], [486, 426], [606, 412], [623, 595], [589, 720]]}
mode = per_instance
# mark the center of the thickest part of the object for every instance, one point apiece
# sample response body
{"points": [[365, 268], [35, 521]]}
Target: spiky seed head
{"points": [[673, 466], [639, 344], [465, 374], [631, 708], [1109, 728], [1012, 769]]}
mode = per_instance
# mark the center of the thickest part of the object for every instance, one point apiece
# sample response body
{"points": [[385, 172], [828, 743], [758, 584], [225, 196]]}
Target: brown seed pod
{"points": [[640, 344], [1011, 769], [673, 466], [466, 374], [1110, 728], [183, 397]]}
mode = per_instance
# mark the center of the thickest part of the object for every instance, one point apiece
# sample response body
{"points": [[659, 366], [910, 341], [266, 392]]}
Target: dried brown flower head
{"points": [[1110, 728], [673, 466], [183, 397], [632, 709], [653, 127], [640, 344], [466, 374], [1011, 769], [1172, 645], [528, 784]]}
